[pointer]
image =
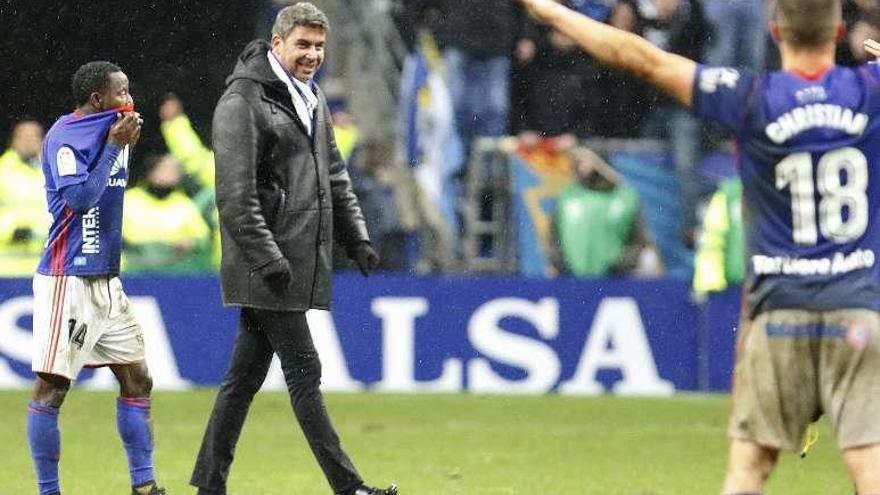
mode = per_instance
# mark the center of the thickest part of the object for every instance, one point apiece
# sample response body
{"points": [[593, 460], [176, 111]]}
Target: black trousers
{"points": [[260, 335]]}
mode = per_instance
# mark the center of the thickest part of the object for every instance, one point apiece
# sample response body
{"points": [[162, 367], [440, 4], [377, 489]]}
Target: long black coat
{"points": [[280, 193]]}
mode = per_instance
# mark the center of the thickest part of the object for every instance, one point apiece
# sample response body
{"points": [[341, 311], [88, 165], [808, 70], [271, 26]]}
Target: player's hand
{"points": [[278, 274], [137, 133], [365, 257], [126, 130], [872, 47]]}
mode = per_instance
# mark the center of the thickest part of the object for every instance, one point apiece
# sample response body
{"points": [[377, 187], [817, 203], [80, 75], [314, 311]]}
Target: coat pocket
{"points": [[273, 203], [282, 203]]}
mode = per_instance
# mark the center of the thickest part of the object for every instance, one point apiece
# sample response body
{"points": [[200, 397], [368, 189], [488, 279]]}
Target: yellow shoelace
{"points": [[811, 439]]}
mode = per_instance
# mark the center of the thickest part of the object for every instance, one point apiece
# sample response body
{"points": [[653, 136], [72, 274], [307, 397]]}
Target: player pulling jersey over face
{"points": [[81, 314], [83, 242], [808, 151]]}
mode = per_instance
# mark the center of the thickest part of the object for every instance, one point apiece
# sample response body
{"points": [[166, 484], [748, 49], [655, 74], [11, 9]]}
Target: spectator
{"points": [[558, 90], [598, 229], [478, 38], [380, 188], [187, 148], [866, 27], [409, 232], [720, 259], [562, 90], [680, 27], [740, 33], [162, 228], [344, 127], [622, 101], [412, 17], [23, 221], [857, 10], [185, 145]]}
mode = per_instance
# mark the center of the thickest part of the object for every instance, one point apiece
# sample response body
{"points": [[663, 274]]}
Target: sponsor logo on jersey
{"points": [[91, 231], [805, 267], [65, 160], [120, 164]]}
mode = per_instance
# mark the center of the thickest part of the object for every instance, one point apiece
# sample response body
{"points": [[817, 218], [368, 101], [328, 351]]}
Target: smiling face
{"points": [[301, 52]]}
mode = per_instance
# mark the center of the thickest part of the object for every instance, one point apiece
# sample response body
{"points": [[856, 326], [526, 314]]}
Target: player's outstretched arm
{"points": [[619, 49]]}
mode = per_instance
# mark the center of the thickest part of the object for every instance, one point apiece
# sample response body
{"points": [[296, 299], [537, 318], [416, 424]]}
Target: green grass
{"points": [[428, 444]]}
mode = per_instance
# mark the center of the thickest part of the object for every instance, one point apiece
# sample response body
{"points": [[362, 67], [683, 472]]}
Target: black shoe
{"points": [[147, 489], [368, 490]]}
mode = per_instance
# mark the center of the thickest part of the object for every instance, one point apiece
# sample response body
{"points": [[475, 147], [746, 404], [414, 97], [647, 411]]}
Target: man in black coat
{"points": [[282, 189]]}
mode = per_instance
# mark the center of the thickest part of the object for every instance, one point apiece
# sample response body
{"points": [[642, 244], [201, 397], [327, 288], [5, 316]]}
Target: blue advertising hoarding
{"points": [[435, 334]]}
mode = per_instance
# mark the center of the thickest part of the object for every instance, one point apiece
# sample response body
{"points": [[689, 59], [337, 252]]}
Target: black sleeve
{"points": [[236, 151]]}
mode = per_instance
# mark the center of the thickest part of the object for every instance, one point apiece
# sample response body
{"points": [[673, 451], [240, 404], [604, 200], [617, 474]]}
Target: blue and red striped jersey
{"points": [[87, 243]]}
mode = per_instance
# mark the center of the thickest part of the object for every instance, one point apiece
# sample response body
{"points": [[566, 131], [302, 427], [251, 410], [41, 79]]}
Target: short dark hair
{"points": [[807, 23], [299, 14], [91, 78]]}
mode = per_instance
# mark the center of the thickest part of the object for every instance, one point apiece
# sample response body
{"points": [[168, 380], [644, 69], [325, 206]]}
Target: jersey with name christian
{"points": [[808, 153], [87, 243]]}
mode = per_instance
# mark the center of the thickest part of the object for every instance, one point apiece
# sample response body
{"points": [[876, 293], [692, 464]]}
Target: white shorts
{"points": [[83, 322]]}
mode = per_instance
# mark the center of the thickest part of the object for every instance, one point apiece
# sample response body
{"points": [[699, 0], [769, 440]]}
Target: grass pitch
{"points": [[428, 444]]}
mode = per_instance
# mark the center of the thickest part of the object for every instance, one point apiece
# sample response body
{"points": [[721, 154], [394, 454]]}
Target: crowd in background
{"points": [[495, 74]]}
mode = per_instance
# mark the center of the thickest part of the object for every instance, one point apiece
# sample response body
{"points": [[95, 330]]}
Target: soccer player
{"points": [[81, 315], [808, 140]]}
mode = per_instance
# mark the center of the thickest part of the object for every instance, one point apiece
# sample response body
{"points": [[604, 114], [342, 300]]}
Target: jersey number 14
{"points": [[836, 195]]}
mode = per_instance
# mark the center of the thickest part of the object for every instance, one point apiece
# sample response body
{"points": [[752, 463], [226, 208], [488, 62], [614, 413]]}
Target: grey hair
{"points": [[299, 14]]}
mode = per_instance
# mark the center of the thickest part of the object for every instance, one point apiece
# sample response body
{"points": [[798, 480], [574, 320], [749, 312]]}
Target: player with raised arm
{"points": [[809, 143], [82, 318]]}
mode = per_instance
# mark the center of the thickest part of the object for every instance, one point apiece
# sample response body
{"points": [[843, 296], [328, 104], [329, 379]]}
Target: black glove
{"points": [[365, 257], [277, 274]]}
